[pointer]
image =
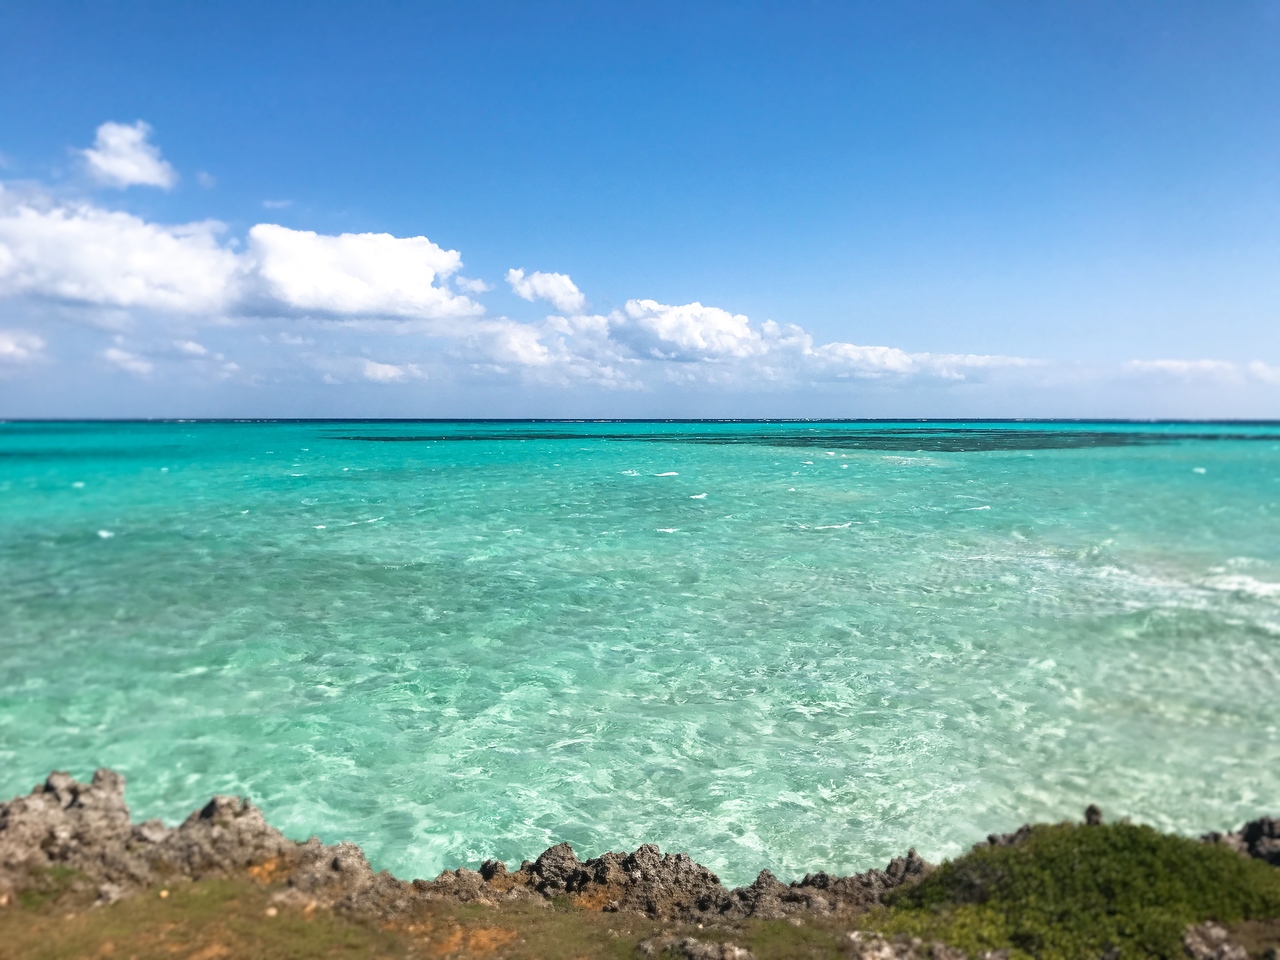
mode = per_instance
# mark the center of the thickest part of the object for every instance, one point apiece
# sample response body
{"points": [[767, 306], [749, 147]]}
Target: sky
{"points": [[916, 209]]}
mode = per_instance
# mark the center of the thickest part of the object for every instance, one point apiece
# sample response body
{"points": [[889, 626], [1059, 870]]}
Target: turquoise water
{"points": [[793, 646]]}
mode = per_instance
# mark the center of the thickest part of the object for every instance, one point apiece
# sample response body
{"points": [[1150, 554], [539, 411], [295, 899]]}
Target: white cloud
{"points": [[1265, 372], [206, 179], [127, 361], [18, 346], [357, 274], [848, 359], [82, 253], [378, 284], [1184, 368], [555, 288], [122, 157], [690, 332], [382, 372], [738, 349], [472, 286], [277, 204], [1206, 369]]}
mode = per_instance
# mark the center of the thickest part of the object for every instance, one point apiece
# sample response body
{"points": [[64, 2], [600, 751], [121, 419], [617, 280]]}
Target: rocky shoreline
{"points": [[86, 828]]}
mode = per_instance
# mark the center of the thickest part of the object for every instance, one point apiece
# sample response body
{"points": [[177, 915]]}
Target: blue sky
{"points": [[909, 209]]}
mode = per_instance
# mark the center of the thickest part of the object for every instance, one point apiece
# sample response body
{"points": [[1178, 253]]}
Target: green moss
{"points": [[1073, 893], [46, 885], [783, 940]]}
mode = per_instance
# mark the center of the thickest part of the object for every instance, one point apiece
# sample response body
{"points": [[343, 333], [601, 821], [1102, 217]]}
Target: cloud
{"points": [[689, 332], [555, 288], [122, 157], [277, 204], [1205, 369], [206, 179], [726, 346], [85, 254], [82, 255], [125, 360], [18, 346], [1264, 372], [1184, 368], [386, 372], [356, 274], [472, 286]]}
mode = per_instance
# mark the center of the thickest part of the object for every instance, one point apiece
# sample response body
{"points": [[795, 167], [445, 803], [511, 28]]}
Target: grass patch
{"points": [[236, 919], [47, 885], [1075, 892], [816, 939]]}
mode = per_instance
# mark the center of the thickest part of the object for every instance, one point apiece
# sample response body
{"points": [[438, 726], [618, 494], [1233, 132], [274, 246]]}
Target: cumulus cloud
{"points": [[472, 286], [717, 340], [555, 288], [85, 254], [376, 283], [357, 274], [382, 372], [18, 346], [689, 332], [127, 361], [122, 156]]}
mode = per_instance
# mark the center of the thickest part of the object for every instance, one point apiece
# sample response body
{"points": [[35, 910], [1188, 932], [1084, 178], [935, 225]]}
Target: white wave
{"points": [[669, 473], [836, 526], [667, 529], [1242, 583], [698, 496], [105, 534]]}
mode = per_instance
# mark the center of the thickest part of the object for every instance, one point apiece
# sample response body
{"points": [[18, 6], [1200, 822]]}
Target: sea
{"points": [[798, 646]]}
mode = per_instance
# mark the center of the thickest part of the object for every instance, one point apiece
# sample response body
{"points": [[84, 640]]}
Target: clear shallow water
{"points": [[793, 646]]}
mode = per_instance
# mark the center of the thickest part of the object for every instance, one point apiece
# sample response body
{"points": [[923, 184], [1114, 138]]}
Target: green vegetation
{"points": [[1077, 892], [46, 885]]}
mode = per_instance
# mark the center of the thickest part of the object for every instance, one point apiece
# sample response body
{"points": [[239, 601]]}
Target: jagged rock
{"points": [[1258, 838], [866, 945], [87, 827], [226, 834], [1209, 941], [688, 948], [66, 823], [1009, 839], [674, 887]]}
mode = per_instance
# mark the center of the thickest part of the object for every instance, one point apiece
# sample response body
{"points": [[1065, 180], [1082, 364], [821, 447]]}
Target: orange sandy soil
{"points": [[235, 918]]}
